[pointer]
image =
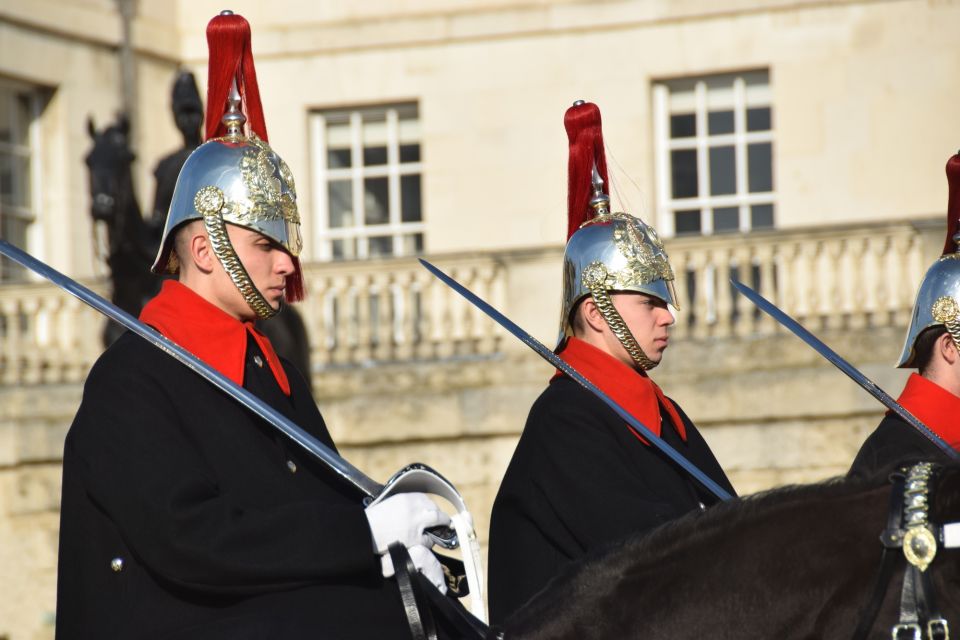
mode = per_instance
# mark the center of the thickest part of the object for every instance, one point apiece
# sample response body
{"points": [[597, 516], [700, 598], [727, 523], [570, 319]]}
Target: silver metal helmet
{"points": [[240, 180], [938, 299], [614, 252]]}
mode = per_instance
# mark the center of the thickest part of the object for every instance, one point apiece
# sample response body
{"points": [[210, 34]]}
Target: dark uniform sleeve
{"points": [[136, 451]]}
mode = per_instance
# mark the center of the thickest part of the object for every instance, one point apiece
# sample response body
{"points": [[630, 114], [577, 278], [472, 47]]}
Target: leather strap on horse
{"points": [[909, 529], [422, 626], [908, 627], [421, 599], [891, 538]]}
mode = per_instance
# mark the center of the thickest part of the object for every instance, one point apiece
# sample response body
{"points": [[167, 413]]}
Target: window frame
{"points": [[394, 170], [702, 142], [30, 214]]}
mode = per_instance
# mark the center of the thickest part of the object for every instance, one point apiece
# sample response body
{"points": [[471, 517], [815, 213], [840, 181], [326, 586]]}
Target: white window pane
{"points": [[373, 156], [409, 130], [338, 158], [343, 249], [687, 221], [726, 219], [723, 171], [380, 246], [720, 95], [682, 100], [413, 244], [338, 135], [410, 153], [757, 88], [683, 164], [374, 133], [24, 108], [340, 202], [376, 201], [410, 198], [683, 125], [761, 216], [760, 167], [6, 116], [720, 122]]}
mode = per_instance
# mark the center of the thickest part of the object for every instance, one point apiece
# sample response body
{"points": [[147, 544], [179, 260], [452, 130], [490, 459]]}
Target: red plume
{"points": [[953, 203], [585, 132], [231, 57]]}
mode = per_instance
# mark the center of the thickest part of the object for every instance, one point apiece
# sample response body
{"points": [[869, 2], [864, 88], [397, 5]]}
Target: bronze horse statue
{"points": [[797, 563], [133, 242]]}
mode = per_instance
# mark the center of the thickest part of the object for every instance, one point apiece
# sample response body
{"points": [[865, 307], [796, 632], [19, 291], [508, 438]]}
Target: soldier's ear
{"points": [[199, 249], [947, 349], [592, 318]]}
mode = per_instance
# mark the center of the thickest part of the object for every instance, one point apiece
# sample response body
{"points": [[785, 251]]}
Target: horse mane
{"points": [[691, 528]]}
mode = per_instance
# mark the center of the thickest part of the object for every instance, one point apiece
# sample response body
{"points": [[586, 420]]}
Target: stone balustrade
{"points": [[393, 310], [851, 277]]}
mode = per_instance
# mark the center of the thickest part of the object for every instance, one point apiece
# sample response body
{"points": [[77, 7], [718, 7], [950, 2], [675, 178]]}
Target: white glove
{"points": [[424, 561], [402, 518]]}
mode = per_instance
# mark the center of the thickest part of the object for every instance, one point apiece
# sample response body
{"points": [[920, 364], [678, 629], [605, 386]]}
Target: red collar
{"points": [[934, 406], [632, 390], [208, 332]]}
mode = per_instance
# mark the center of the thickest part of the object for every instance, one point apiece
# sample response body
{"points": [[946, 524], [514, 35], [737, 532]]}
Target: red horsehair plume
{"points": [[953, 204], [231, 58], [585, 133]]}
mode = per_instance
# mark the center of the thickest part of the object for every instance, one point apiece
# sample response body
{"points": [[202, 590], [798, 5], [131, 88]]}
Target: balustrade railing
{"points": [[827, 278], [47, 335], [393, 310]]}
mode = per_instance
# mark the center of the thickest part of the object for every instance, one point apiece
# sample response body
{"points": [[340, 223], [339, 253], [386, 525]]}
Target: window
{"points": [[367, 182], [714, 142], [19, 110]]}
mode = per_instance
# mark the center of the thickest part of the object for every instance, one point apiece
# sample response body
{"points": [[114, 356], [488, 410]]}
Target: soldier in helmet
{"points": [[932, 347], [183, 515], [580, 476]]}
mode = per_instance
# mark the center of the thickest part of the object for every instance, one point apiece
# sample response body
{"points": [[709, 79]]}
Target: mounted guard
{"points": [[580, 476], [932, 347], [192, 513]]}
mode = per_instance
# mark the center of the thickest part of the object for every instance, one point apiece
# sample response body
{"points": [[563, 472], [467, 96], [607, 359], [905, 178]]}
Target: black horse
{"points": [[132, 244], [788, 564]]}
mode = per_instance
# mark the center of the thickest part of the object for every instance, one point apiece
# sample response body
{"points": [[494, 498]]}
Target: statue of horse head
{"points": [[109, 164], [132, 244]]}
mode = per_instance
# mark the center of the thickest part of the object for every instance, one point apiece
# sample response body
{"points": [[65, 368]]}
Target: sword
{"points": [[836, 360], [555, 360], [371, 490]]}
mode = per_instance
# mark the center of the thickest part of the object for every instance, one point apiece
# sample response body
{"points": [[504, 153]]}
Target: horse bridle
{"points": [[909, 528]]}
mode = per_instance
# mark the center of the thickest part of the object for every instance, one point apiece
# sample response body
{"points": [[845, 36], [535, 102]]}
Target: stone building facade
{"points": [[794, 144]]}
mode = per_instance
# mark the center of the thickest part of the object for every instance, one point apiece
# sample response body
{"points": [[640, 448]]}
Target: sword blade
{"points": [[274, 418], [557, 362], [836, 360]]}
